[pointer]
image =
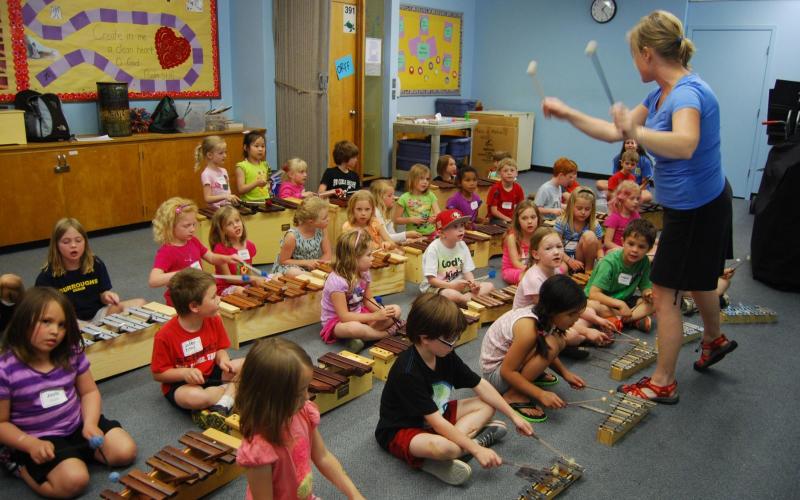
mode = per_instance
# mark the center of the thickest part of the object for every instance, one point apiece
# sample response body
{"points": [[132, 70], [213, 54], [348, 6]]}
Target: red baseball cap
{"points": [[447, 217]]}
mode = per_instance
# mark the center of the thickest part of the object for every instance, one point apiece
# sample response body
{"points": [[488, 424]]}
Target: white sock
{"points": [[226, 402]]}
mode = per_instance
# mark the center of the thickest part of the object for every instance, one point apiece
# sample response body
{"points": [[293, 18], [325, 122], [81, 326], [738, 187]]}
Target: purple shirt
{"points": [[42, 404], [466, 207], [355, 298]]}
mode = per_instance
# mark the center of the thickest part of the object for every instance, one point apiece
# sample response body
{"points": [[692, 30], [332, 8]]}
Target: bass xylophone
{"points": [[339, 379], [207, 463], [385, 352], [494, 304], [497, 234], [123, 341], [388, 272], [548, 482]]}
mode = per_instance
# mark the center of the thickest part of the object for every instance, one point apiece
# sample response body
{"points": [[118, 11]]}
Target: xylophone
{"points": [[264, 221], [479, 245], [207, 463], [123, 341], [747, 313], [494, 304], [339, 379], [279, 305], [624, 413], [548, 482], [638, 357], [388, 272], [497, 233], [654, 213], [384, 353]]}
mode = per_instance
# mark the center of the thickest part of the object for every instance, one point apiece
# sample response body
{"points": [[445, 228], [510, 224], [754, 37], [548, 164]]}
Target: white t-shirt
{"points": [[548, 195], [447, 264]]}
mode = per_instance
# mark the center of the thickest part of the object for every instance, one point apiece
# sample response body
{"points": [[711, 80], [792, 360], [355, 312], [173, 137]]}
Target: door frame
{"points": [[758, 150]]}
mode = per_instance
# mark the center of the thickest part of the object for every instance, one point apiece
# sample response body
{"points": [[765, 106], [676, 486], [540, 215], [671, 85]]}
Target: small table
{"points": [[430, 126]]}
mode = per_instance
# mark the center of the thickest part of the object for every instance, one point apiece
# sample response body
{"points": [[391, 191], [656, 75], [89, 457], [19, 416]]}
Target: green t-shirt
{"points": [[251, 173], [617, 280], [418, 205]]}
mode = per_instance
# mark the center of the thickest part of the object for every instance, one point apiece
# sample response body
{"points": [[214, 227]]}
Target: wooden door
{"points": [[38, 201], [345, 74], [102, 188]]}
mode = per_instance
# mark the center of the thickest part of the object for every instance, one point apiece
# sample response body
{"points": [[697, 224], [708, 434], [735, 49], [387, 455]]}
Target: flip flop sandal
{"points": [[717, 349], [667, 394], [546, 379], [517, 407]]}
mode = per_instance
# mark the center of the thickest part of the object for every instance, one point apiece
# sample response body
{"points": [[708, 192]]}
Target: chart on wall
{"points": [[157, 47], [429, 57]]}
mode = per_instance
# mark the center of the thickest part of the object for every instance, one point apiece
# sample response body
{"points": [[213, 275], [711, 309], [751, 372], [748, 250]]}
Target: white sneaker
{"points": [[454, 472]]}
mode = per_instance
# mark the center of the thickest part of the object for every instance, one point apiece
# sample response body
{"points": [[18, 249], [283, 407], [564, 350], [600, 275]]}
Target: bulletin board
{"points": [[159, 47], [429, 54]]}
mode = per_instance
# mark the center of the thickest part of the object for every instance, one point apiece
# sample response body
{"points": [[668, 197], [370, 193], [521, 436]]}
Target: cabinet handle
{"points": [[62, 166]]}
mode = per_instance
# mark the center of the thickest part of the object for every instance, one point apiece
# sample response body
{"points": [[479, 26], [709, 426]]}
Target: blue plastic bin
{"points": [[457, 147], [456, 108], [411, 151]]}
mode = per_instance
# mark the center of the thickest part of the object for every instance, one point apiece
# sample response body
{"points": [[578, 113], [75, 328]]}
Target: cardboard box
{"points": [[510, 131], [12, 127]]}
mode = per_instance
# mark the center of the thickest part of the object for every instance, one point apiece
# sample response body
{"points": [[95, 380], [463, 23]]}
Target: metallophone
{"points": [[623, 413], [384, 352], [747, 313], [549, 482], [207, 463], [124, 341], [339, 378], [264, 221], [279, 305]]}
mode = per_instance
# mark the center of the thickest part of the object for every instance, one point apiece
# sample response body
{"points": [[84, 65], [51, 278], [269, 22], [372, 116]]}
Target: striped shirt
{"points": [[42, 404]]}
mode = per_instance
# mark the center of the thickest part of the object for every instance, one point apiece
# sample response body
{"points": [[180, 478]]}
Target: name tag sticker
{"points": [[473, 205], [244, 254], [192, 346], [624, 279], [53, 397], [506, 205], [571, 246], [196, 265]]}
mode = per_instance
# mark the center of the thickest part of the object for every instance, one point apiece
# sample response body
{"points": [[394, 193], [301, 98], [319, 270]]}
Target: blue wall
{"points": [[783, 62], [513, 32], [82, 116]]}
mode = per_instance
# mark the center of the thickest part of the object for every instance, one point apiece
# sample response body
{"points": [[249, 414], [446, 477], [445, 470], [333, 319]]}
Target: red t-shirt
{"points": [[617, 178], [174, 347], [246, 254], [572, 187], [171, 258], [505, 201]]}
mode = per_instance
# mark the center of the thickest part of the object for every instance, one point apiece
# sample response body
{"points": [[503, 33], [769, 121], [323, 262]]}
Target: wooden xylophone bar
{"points": [[492, 305], [286, 203], [207, 463], [549, 482], [385, 352], [339, 379], [626, 411], [637, 357], [490, 229], [265, 206]]}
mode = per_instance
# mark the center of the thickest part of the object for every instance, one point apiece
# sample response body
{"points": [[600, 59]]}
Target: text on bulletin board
{"points": [[429, 57], [158, 47]]}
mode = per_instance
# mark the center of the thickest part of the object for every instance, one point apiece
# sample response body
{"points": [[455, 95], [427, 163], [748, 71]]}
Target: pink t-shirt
{"points": [[618, 223], [171, 258], [292, 476], [529, 286], [217, 179], [290, 190], [246, 254], [355, 298], [506, 263]]}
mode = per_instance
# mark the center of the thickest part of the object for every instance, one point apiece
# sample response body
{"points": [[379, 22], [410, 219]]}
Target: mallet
{"points": [[591, 51], [538, 86]]}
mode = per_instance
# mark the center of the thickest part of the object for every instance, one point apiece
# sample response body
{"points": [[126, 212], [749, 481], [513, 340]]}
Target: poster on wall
{"points": [[158, 47], [429, 57]]}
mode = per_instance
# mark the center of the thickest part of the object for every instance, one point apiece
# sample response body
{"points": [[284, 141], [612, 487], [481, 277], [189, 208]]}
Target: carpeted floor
{"points": [[731, 436]]}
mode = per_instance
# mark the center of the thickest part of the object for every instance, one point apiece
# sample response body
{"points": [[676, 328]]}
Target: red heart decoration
{"points": [[172, 50]]}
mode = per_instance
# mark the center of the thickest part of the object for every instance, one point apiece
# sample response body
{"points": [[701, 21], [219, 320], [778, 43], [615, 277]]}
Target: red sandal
{"points": [[717, 349], [666, 394]]}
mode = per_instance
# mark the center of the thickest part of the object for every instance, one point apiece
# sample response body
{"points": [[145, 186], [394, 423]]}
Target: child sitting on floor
{"points": [[305, 246], [579, 230], [523, 342], [189, 356], [505, 194], [548, 196], [420, 422], [383, 192], [466, 199], [620, 274], [447, 265], [516, 245]]}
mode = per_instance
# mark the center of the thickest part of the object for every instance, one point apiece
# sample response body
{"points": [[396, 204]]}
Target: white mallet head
{"points": [[532, 68], [591, 47]]}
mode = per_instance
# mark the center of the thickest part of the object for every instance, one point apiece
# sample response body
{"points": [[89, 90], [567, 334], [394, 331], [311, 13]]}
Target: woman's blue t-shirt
{"points": [[642, 171], [692, 183]]}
